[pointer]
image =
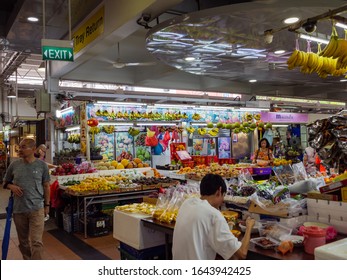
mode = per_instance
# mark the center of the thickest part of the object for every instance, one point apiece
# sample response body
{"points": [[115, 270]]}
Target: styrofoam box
{"points": [[294, 221], [128, 228], [328, 212], [332, 251]]}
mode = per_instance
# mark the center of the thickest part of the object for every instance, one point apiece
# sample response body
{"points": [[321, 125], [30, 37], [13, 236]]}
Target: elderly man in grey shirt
{"points": [[28, 179]]}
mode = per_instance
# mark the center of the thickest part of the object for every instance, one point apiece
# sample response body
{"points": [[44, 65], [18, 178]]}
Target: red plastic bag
{"points": [[55, 195], [166, 137], [151, 141]]}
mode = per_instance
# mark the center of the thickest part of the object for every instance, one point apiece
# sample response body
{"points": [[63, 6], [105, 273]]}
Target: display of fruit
{"points": [[125, 155], [196, 116], [109, 129], [332, 60], [213, 132], [202, 131], [74, 138], [191, 129], [133, 131], [143, 154]]}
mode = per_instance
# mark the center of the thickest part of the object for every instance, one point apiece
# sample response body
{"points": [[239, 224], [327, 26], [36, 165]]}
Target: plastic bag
{"points": [[162, 202], [299, 172], [170, 213], [284, 174]]}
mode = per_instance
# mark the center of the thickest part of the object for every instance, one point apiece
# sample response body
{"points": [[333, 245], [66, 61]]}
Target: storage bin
{"points": [[262, 170], [67, 222], [98, 225], [188, 163], [153, 253]]}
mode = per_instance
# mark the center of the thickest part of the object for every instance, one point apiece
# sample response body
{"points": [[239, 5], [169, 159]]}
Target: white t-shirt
{"points": [[201, 231]]}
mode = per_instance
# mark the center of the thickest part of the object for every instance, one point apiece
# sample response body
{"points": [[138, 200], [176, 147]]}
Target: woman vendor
{"points": [[263, 152]]}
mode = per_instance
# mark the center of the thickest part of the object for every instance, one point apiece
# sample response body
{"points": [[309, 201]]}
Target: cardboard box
{"points": [[328, 212], [344, 194], [333, 186], [128, 228], [255, 208], [323, 196]]}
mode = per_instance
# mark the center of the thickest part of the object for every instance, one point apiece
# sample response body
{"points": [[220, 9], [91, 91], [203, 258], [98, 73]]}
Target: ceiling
{"points": [[227, 34]]}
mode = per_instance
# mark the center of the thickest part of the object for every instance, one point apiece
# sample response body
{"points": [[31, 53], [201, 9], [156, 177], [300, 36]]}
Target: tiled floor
{"points": [[56, 250]]}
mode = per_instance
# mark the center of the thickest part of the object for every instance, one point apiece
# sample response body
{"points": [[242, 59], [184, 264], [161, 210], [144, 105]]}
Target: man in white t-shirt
{"points": [[201, 231]]}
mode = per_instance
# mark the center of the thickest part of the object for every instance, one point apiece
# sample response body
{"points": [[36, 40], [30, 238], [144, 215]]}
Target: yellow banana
{"points": [[291, 60], [330, 49]]}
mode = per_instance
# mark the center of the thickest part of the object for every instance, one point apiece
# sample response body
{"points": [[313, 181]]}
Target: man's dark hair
{"points": [[211, 183]]}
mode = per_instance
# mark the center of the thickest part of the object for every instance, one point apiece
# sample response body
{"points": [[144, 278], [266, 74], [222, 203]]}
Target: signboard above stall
{"points": [[276, 117]]}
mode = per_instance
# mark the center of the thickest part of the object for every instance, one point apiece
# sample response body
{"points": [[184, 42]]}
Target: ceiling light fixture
{"points": [[77, 127], [32, 19], [121, 103], [67, 110], [252, 81], [117, 123], [252, 109], [156, 123], [212, 108], [189, 58], [171, 106], [291, 20], [312, 38], [341, 25], [279, 52]]}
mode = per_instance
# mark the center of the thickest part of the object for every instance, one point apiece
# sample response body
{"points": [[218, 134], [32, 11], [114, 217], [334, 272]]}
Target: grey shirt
{"points": [[30, 177]]}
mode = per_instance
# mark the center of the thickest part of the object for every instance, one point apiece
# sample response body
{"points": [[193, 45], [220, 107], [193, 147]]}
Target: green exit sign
{"points": [[57, 53]]}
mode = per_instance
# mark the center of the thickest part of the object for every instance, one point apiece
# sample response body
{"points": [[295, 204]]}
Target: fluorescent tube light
{"points": [[67, 110], [121, 103], [181, 106], [198, 123], [252, 109], [315, 39], [77, 127], [117, 123], [280, 125], [291, 20], [58, 113], [155, 123], [341, 25], [219, 108]]}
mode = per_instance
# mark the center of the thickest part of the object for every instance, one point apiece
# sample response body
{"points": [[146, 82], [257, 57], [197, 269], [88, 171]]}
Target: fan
{"points": [[294, 141], [119, 64]]}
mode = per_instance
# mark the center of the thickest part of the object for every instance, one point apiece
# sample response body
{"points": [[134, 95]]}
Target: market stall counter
{"points": [[254, 253]]}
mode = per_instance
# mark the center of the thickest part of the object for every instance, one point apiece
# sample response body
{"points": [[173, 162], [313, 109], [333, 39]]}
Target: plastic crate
{"points": [[98, 225], [262, 170], [187, 163], [211, 159], [129, 253], [67, 222], [199, 160], [222, 161]]}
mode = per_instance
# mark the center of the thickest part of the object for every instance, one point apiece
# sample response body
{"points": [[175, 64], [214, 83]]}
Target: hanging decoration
{"points": [[92, 122]]}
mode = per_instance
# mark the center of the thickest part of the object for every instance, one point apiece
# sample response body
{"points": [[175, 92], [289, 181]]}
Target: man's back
{"points": [[200, 232]]}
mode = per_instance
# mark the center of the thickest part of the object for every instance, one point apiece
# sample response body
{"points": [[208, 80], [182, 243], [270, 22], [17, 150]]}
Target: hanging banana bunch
{"points": [[190, 129], [213, 131], [109, 129], [94, 130]]}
